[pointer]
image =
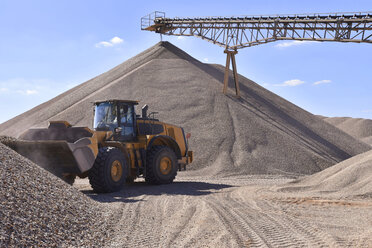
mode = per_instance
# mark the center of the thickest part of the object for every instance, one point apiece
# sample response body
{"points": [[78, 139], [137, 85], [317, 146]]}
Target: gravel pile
{"points": [[350, 178], [260, 133], [356, 127], [367, 140], [40, 210]]}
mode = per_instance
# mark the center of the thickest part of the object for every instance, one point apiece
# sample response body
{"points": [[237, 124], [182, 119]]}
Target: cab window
{"points": [[126, 115]]}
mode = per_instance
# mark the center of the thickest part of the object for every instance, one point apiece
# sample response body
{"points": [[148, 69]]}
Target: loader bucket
{"points": [[60, 149], [58, 156]]}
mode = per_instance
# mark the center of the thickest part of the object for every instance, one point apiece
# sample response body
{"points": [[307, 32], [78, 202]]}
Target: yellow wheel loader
{"points": [[121, 147]]}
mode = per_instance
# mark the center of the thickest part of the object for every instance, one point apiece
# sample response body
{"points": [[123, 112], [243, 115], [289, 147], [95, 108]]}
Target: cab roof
{"points": [[117, 100]]}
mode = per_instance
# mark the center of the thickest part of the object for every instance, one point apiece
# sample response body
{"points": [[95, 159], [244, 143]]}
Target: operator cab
{"points": [[117, 116]]}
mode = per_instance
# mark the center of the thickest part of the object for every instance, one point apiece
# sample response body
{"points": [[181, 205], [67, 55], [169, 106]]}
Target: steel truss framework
{"points": [[233, 33]]}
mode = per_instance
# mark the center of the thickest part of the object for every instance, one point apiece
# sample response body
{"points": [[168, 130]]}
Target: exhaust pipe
{"points": [[144, 111]]}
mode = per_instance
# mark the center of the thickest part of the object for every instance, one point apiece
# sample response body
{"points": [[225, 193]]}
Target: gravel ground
{"points": [[40, 210], [238, 211]]}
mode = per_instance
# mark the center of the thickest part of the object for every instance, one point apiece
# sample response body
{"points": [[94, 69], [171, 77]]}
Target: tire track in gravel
{"points": [[263, 226], [205, 227], [183, 218], [312, 235], [137, 225], [303, 234], [238, 226], [294, 209], [142, 223], [146, 231], [129, 218]]}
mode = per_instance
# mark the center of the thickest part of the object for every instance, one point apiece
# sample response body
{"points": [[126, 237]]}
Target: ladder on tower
{"points": [[233, 33]]}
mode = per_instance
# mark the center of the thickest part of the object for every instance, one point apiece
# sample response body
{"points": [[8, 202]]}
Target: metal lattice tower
{"points": [[233, 33]]}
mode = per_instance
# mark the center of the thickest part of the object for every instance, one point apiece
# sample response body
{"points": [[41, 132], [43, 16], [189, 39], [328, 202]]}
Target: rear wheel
{"points": [[109, 171], [161, 166]]}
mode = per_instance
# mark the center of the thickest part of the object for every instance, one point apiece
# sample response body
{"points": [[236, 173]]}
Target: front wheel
{"points": [[109, 171], [161, 166]]}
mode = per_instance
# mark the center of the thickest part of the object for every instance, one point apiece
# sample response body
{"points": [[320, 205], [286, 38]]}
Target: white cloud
{"points": [[206, 59], [104, 44], [181, 37], [291, 83], [28, 87], [3, 90], [31, 92], [293, 43], [114, 41], [325, 81], [27, 92]]}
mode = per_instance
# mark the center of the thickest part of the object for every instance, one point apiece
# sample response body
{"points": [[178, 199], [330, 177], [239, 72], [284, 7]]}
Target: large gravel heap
{"points": [[256, 134], [357, 127], [40, 210]]}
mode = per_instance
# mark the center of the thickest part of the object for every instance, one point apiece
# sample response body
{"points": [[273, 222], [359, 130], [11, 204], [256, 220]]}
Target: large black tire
{"points": [[109, 171], [161, 165]]}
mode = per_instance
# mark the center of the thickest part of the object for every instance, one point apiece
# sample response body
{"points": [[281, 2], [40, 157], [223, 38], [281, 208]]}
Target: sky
{"points": [[50, 46]]}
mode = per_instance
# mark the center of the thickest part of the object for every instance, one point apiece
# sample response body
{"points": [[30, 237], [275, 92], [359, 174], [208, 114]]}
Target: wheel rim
{"points": [[165, 165], [116, 171]]}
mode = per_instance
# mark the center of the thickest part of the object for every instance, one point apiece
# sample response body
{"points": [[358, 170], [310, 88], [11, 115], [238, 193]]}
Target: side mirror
{"points": [[118, 130]]}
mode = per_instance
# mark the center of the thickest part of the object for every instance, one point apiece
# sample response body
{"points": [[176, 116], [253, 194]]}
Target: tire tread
{"points": [[151, 177]]}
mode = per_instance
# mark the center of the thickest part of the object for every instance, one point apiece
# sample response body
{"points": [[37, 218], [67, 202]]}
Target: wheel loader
{"points": [[121, 147]]}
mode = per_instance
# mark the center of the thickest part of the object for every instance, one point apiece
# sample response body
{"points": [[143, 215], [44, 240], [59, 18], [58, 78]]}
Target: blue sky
{"points": [[47, 47]]}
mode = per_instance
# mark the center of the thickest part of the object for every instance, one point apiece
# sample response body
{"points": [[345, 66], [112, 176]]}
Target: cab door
{"points": [[126, 122]]}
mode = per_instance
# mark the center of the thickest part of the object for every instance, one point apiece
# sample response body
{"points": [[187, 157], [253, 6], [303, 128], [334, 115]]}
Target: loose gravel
{"points": [[357, 127], [38, 209], [349, 179]]}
